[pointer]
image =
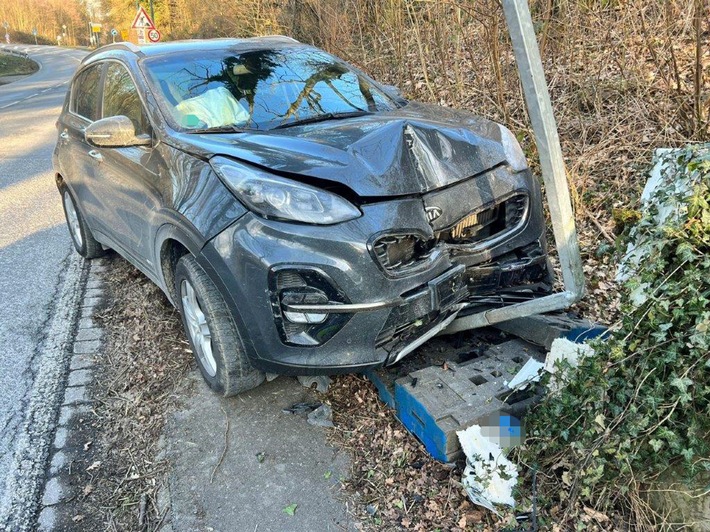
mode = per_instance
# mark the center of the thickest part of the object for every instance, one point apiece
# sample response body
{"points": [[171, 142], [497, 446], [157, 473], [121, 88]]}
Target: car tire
{"points": [[210, 327], [84, 242]]}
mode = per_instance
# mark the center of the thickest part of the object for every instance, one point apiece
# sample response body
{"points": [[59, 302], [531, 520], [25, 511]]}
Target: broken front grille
{"points": [[491, 221], [402, 253]]}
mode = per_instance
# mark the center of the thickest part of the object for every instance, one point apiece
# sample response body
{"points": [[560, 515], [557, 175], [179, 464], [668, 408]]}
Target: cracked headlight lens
{"points": [[277, 197], [513, 152]]}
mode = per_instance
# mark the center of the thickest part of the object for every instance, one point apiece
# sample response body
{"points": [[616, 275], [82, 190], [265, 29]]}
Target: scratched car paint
{"points": [[304, 218]]}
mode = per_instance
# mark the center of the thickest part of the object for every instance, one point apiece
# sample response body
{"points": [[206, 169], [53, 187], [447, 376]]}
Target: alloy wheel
{"points": [[73, 219], [198, 328]]}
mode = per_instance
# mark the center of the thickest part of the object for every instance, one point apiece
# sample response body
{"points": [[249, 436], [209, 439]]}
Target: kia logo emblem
{"points": [[432, 213]]}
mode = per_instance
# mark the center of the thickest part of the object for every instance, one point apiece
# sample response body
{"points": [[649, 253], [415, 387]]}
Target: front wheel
{"points": [[212, 331], [84, 242]]}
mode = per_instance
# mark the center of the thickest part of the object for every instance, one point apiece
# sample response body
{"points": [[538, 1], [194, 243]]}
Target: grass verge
{"points": [[138, 380], [12, 65]]}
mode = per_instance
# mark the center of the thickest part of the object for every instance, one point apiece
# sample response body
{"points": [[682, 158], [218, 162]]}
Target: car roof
{"points": [[187, 45]]}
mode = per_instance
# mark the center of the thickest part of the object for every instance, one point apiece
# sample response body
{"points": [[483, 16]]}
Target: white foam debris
{"points": [[489, 477], [564, 349], [567, 350], [561, 349], [530, 372]]}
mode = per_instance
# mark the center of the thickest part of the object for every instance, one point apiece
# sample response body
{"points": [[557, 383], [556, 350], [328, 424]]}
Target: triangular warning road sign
{"points": [[142, 20]]}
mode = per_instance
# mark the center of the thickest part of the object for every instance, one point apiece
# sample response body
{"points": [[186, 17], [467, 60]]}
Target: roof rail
{"points": [[126, 45], [286, 37]]}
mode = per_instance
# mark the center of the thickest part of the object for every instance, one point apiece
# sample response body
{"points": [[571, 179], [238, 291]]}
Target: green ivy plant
{"points": [[641, 405]]}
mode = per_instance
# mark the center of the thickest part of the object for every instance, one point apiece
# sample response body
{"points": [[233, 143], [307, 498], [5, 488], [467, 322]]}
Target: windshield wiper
{"points": [[216, 129], [322, 118]]}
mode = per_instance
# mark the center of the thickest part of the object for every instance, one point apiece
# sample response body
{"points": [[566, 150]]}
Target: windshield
{"points": [[260, 89]]}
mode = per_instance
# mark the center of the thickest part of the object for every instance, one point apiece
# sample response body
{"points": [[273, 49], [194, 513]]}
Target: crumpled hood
{"points": [[411, 150]]}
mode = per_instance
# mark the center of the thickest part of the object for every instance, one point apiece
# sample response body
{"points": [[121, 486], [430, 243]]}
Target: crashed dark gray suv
{"points": [[304, 218]]}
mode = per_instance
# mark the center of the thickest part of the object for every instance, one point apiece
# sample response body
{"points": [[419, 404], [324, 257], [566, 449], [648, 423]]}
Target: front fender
{"points": [[186, 235]]}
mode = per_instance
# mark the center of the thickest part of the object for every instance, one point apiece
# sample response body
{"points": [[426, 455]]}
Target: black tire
{"points": [[84, 243], [226, 369]]}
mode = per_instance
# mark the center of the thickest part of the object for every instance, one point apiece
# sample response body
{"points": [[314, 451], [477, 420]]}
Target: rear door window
{"points": [[121, 97], [85, 95]]}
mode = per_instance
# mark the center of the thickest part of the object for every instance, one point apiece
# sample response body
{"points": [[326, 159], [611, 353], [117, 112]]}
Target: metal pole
{"points": [[537, 98], [152, 12]]}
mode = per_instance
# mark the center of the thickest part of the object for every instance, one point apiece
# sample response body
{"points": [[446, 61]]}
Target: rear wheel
{"points": [[84, 242], [210, 327]]}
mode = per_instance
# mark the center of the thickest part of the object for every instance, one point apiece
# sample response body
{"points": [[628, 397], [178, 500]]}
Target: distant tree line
{"points": [[66, 19]]}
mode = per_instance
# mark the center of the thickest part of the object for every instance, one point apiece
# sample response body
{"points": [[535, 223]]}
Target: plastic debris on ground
{"points": [[321, 416], [322, 382], [561, 349], [489, 477], [570, 352], [301, 408], [530, 372], [318, 414]]}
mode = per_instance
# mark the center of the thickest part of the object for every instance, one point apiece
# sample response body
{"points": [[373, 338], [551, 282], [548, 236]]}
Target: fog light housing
{"points": [[305, 296], [290, 286]]}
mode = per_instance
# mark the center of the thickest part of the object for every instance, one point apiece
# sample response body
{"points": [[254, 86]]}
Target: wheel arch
{"points": [[171, 244]]}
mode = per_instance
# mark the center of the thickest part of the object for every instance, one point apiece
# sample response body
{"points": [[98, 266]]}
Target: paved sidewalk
{"points": [[246, 494], [75, 415]]}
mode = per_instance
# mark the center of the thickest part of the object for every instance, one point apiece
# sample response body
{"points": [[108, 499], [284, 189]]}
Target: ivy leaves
{"points": [[642, 404]]}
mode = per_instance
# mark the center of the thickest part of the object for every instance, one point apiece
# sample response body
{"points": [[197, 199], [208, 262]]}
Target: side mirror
{"points": [[115, 132]]}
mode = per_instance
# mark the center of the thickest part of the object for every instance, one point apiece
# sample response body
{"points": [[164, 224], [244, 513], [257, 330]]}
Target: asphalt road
{"points": [[35, 251]]}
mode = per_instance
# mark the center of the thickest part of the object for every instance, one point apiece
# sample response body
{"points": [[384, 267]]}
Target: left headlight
{"points": [[513, 152], [276, 197]]}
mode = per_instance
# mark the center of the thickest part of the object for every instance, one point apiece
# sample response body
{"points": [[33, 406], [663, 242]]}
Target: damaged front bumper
{"points": [[318, 299]]}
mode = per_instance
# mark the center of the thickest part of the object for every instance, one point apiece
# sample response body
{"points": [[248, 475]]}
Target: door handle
{"points": [[96, 155], [64, 134]]}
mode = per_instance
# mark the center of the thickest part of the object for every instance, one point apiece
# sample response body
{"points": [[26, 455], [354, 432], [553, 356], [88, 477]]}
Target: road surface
{"points": [[34, 255]]}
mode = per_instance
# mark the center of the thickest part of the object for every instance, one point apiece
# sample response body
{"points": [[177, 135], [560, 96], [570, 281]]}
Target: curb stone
{"points": [[55, 512]]}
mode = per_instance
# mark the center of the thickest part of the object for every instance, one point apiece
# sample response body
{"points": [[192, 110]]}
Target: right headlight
{"points": [[277, 197], [513, 152]]}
